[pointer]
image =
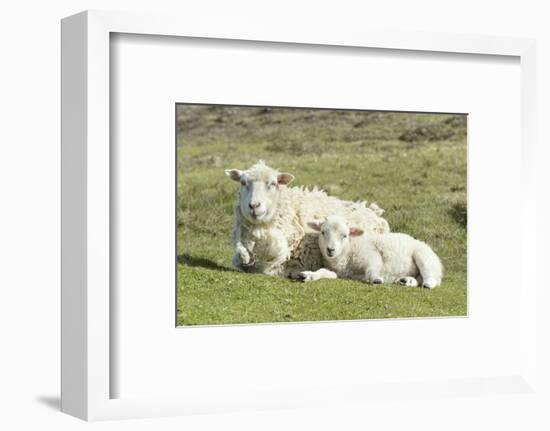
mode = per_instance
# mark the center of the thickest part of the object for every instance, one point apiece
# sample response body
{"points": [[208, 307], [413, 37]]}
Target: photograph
{"points": [[298, 214]]}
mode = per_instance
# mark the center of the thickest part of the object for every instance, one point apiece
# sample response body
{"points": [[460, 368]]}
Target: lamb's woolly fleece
{"points": [[282, 246], [398, 256]]}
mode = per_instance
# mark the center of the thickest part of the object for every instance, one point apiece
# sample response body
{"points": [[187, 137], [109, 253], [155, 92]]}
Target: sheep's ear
{"points": [[234, 174], [314, 225], [284, 179], [355, 231]]}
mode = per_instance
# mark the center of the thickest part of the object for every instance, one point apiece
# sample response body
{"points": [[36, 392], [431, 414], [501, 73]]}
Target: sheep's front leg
{"points": [[276, 249], [242, 257], [317, 275]]}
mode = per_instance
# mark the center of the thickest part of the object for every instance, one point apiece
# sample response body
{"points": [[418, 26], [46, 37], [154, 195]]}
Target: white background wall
{"points": [[29, 203]]}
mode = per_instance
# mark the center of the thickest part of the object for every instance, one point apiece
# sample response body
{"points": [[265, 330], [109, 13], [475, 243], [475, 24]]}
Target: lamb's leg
{"points": [[429, 266], [317, 275], [408, 281], [373, 269]]}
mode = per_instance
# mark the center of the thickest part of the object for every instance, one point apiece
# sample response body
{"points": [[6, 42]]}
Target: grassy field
{"points": [[412, 165]]}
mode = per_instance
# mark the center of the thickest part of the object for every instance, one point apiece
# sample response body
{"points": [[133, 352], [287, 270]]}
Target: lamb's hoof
{"points": [[408, 281], [377, 281], [429, 284], [306, 276]]}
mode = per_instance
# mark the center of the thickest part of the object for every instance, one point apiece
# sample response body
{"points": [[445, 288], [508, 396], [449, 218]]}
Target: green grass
{"points": [[413, 165]]}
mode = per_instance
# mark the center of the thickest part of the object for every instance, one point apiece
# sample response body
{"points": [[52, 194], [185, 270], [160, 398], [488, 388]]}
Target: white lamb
{"points": [[269, 234], [387, 258]]}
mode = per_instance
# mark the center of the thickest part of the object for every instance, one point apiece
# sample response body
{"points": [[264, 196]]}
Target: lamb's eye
{"points": [[322, 233], [344, 236], [243, 183]]}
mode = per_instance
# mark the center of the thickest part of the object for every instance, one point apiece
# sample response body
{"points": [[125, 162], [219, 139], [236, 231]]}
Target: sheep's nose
{"points": [[330, 250], [254, 205]]}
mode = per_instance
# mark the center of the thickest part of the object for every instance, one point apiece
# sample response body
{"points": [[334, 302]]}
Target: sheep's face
{"points": [[259, 192], [334, 236]]}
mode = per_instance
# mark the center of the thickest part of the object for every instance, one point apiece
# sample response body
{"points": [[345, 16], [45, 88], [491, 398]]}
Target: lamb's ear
{"points": [[284, 178], [234, 174], [314, 225], [355, 231]]}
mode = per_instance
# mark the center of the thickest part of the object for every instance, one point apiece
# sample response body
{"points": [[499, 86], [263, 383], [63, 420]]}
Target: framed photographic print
{"points": [[265, 218]]}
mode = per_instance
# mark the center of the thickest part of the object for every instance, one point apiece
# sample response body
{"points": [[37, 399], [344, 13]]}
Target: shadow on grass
{"points": [[187, 259], [459, 213]]}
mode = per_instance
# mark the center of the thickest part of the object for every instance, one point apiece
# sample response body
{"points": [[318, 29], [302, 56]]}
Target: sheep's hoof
{"points": [[377, 281], [251, 261]]}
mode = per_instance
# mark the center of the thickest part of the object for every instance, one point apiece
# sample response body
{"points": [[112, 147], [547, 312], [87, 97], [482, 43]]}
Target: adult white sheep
{"points": [[391, 257], [269, 234]]}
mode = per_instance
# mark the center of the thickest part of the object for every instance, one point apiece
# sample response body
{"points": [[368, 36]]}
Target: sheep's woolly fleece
{"points": [[285, 245]]}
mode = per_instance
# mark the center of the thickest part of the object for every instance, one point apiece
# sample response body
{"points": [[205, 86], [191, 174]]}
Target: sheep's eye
{"points": [[322, 233], [243, 183], [344, 236]]}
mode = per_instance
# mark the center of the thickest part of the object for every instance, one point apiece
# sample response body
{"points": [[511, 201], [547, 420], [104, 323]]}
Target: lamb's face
{"points": [[334, 236], [259, 192]]}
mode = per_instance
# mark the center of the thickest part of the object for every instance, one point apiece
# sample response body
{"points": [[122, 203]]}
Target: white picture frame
{"points": [[86, 170]]}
